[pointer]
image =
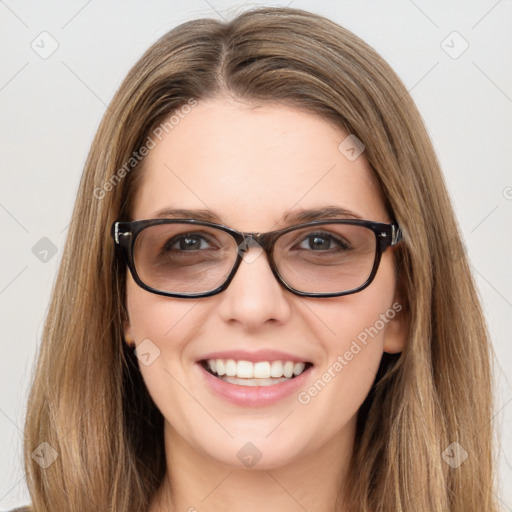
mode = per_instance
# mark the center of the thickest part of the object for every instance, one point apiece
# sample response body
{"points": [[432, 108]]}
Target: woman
{"points": [[339, 361]]}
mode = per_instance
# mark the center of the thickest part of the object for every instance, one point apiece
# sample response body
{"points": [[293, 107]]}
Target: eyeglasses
{"points": [[189, 258]]}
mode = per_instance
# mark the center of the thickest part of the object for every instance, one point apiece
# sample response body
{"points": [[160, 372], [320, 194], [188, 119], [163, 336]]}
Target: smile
{"points": [[248, 373]]}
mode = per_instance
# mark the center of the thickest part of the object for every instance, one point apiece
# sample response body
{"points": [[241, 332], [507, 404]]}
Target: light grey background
{"points": [[51, 107]]}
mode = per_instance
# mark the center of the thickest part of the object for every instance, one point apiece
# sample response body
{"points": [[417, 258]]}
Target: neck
{"points": [[195, 482]]}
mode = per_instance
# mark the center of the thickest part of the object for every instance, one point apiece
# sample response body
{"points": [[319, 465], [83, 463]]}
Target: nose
{"points": [[254, 297]]}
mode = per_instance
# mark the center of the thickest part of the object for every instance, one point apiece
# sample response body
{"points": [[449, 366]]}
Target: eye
{"points": [[187, 242], [323, 242]]}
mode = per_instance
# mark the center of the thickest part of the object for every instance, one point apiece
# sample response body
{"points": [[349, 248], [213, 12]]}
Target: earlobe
{"points": [[128, 338], [397, 329]]}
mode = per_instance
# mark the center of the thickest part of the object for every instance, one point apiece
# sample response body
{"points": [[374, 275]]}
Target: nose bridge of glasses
{"points": [[263, 241]]}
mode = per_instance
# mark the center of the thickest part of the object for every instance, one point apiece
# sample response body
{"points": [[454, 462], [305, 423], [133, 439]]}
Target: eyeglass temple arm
{"points": [[116, 233], [396, 234]]}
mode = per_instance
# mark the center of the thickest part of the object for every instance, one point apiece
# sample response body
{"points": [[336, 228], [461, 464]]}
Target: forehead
{"points": [[251, 165]]}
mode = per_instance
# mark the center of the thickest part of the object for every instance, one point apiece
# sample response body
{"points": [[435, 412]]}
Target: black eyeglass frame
{"points": [[125, 234]]}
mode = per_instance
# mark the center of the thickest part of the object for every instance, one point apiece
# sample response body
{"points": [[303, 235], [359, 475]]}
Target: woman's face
{"points": [[250, 166]]}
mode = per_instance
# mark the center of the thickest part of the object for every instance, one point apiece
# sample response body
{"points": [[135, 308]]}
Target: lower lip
{"points": [[254, 396]]}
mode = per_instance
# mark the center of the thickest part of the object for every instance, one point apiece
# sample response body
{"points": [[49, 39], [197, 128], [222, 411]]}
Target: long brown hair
{"points": [[88, 401]]}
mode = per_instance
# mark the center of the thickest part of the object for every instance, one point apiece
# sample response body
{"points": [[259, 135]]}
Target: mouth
{"points": [[252, 374]]}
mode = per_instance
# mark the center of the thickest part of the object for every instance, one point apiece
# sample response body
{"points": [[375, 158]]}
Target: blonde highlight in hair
{"points": [[88, 400]]}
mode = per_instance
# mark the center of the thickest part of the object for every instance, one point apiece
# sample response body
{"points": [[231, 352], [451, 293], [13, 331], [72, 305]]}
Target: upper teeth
{"points": [[258, 370]]}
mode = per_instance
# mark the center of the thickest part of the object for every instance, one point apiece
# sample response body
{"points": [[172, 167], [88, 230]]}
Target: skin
{"points": [[251, 164]]}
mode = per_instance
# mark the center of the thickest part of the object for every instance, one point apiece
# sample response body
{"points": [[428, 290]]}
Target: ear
{"points": [[128, 334], [397, 329]]}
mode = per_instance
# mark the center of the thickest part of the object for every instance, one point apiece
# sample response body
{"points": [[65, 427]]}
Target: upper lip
{"points": [[257, 355]]}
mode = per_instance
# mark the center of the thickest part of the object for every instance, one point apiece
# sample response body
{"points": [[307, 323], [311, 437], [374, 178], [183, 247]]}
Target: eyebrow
{"points": [[302, 215], [327, 212]]}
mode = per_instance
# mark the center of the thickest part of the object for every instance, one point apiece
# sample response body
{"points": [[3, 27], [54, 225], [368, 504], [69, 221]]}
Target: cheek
{"points": [[354, 328], [162, 327], [157, 318], [161, 332], [352, 353]]}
